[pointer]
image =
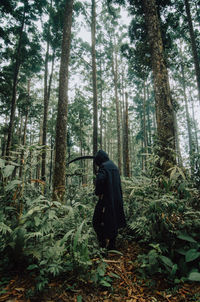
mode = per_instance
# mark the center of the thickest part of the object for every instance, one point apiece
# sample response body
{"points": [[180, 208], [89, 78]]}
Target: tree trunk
{"points": [[164, 108], [45, 114], [101, 106], [177, 142], [115, 75], [195, 125], [193, 44], [14, 87], [47, 91], [61, 126], [94, 82], [149, 123], [191, 145], [24, 134], [38, 168], [126, 140], [144, 128]]}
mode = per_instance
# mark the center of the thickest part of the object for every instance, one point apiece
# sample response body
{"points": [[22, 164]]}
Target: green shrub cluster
{"points": [[164, 213], [45, 237]]}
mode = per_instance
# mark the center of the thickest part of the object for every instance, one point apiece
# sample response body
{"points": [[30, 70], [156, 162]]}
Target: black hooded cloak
{"points": [[109, 214]]}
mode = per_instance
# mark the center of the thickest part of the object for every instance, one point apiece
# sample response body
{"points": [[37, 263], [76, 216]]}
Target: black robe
{"points": [[109, 214]]}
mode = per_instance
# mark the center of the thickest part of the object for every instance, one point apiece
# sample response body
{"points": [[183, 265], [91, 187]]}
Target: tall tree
{"points": [[94, 80], [61, 126], [114, 62], [126, 139], [24, 16], [15, 79], [193, 44], [164, 107]]}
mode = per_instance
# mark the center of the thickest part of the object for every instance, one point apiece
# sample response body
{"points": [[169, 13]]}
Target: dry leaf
{"points": [[20, 289]]}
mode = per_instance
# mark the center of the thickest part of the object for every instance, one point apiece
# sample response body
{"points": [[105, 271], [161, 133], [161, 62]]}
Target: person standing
{"points": [[108, 214]]}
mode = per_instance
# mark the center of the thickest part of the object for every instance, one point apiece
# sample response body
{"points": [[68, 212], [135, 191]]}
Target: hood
{"points": [[101, 157]]}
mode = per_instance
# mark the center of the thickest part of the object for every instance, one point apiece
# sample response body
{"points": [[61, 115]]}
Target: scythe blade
{"points": [[80, 158]]}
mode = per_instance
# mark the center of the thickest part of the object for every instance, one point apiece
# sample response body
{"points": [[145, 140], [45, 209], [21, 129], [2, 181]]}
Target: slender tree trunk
{"points": [[38, 168], [191, 145], [105, 132], [177, 141], [126, 141], [149, 123], [45, 115], [101, 106], [30, 155], [47, 91], [5, 137], [195, 125], [194, 46], [61, 126], [94, 82], [14, 87], [115, 75], [144, 127], [164, 108], [24, 134]]}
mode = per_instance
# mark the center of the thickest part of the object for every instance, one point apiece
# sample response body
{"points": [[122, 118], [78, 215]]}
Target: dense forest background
{"points": [[79, 76]]}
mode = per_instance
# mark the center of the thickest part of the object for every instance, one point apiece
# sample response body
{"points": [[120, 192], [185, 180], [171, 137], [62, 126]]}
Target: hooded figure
{"points": [[109, 214]]}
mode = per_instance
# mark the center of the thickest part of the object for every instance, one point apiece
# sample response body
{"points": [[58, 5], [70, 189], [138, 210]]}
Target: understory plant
{"points": [[44, 237], [164, 214]]}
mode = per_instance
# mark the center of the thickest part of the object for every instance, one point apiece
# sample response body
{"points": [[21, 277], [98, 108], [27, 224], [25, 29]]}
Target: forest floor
{"points": [[129, 286]]}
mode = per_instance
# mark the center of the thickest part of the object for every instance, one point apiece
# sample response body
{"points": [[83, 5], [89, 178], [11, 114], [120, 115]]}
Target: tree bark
{"points": [[47, 91], [144, 127], [14, 87], [115, 75], [24, 133], [195, 125], [94, 82], [126, 140], [149, 123], [61, 125], [164, 108], [45, 115], [194, 46], [177, 142], [191, 144]]}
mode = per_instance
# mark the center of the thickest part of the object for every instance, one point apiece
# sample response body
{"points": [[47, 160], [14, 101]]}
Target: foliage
{"points": [[45, 237], [164, 213]]}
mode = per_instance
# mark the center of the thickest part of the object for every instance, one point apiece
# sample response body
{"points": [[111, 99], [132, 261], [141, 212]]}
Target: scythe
{"points": [[80, 158]]}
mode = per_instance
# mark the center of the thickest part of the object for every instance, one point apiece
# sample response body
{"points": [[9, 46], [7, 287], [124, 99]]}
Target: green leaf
{"points": [[116, 252], [115, 275], [65, 238], [174, 269], [105, 283], [191, 255], [2, 163], [32, 266], [186, 238], [101, 271], [77, 235], [166, 261], [79, 299], [37, 221], [194, 276], [13, 184], [4, 228], [181, 251], [8, 170]]}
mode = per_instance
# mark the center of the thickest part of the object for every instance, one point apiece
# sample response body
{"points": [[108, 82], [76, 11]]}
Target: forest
{"points": [[76, 77]]}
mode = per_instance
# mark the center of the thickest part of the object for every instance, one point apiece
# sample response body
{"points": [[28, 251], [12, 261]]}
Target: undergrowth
{"points": [[164, 214], [47, 238]]}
